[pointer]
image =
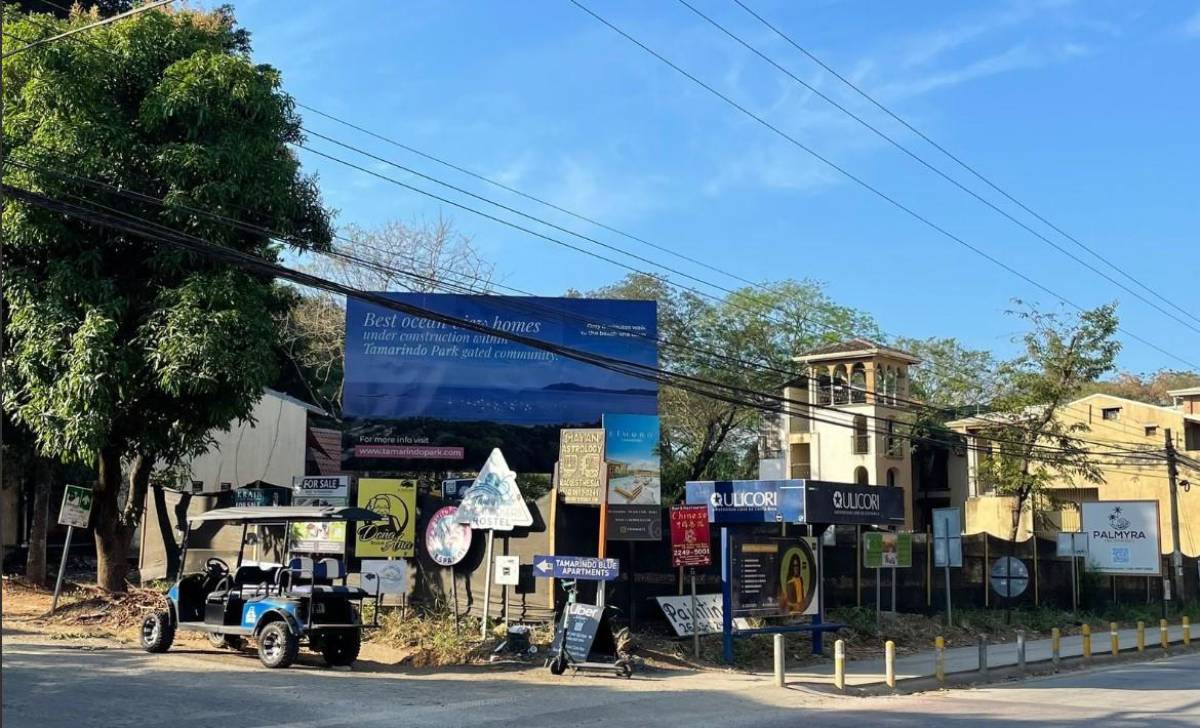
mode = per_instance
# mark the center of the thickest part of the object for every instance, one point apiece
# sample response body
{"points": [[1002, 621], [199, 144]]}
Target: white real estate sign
{"points": [[1122, 537], [678, 611], [76, 506]]}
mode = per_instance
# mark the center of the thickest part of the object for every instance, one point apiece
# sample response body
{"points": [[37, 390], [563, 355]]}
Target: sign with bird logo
{"points": [[494, 501]]}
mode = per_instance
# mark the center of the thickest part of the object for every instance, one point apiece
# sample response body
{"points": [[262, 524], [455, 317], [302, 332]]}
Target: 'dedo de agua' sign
{"points": [[425, 395]]}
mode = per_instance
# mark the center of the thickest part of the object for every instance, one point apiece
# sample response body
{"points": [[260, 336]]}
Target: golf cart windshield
{"points": [[284, 514]]}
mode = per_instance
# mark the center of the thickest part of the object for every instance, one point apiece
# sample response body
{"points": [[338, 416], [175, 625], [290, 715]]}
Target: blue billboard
{"points": [[424, 395]]}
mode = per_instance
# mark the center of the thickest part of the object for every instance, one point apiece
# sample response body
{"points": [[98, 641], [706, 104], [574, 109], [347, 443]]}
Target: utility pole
{"points": [[1177, 555]]}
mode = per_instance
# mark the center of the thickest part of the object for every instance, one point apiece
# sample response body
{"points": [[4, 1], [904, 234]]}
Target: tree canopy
{"points": [[122, 352]]}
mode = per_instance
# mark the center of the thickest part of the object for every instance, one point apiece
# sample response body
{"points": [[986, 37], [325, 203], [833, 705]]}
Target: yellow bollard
{"points": [[939, 659], [1055, 646], [1087, 641], [839, 664], [1187, 631], [1164, 634], [1115, 637], [889, 663], [1141, 637]]}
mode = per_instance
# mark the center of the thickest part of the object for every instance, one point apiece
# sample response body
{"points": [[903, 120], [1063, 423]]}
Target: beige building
{"points": [[845, 419], [1116, 425]]}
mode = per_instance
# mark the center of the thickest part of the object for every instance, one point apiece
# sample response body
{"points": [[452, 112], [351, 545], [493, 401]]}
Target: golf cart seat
{"points": [[320, 577]]}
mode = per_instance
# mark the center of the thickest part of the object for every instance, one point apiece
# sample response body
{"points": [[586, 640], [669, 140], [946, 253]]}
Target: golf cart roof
{"points": [[277, 514]]}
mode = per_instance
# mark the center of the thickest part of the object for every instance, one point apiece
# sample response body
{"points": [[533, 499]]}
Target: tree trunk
{"points": [[112, 538], [35, 562]]}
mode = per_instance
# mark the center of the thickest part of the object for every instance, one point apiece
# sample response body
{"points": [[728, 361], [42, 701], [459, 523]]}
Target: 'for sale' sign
{"points": [[690, 536]]}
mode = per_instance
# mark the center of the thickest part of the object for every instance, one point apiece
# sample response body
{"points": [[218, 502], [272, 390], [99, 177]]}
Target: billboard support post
{"points": [[726, 600], [62, 569], [695, 626], [487, 585]]}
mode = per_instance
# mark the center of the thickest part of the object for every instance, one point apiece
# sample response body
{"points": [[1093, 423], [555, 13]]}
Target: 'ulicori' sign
{"points": [[843, 503]]}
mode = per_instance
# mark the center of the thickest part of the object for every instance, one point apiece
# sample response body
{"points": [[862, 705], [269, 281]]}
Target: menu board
{"points": [[772, 577]]}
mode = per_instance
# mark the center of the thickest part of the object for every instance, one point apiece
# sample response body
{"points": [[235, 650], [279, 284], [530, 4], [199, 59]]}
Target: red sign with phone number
{"points": [[690, 541]]}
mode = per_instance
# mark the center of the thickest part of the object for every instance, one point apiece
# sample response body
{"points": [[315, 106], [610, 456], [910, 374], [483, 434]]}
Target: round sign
{"points": [[446, 541], [797, 578], [1010, 576]]}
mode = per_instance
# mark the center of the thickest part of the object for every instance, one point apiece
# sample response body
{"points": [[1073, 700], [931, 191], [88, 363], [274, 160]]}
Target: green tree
{"points": [[1032, 446], [1150, 388], [121, 352], [747, 340]]}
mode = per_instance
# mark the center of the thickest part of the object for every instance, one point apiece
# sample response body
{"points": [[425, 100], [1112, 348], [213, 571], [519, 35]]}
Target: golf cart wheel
{"points": [[340, 647], [558, 665], [158, 632], [277, 646], [226, 641]]}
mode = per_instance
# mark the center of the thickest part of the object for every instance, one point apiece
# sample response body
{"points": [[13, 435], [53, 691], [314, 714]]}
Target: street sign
{"points": [[389, 577], [576, 567], [1072, 544], [1010, 576], [947, 537], [887, 550], [749, 501], [494, 501], [508, 570], [1123, 537], [446, 540], [76, 506], [678, 612], [690, 539]]}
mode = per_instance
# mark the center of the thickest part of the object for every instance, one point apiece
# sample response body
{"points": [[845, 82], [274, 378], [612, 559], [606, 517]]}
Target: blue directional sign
{"points": [[750, 501], [576, 567]]}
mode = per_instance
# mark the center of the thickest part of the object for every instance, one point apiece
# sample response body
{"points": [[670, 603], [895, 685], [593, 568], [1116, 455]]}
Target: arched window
{"points": [[858, 384], [892, 441], [862, 439], [860, 476], [824, 385], [841, 392], [891, 477]]}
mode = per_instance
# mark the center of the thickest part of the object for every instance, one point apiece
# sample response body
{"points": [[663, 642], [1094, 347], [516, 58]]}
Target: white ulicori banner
{"points": [[1122, 537]]}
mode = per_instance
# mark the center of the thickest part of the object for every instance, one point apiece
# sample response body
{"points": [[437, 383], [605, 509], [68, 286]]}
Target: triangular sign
{"points": [[493, 500]]}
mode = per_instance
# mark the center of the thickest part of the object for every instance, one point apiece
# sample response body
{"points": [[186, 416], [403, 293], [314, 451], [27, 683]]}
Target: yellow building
{"points": [[1116, 425]]}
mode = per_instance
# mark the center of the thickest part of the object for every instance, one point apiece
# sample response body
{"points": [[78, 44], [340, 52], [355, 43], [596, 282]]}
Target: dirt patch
{"points": [[83, 611]]}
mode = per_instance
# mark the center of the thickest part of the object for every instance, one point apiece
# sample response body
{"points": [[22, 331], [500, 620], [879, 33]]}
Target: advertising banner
{"points": [[320, 537], [581, 470], [773, 577], [395, 535], [634, 490], [749, 501], [887, 550], [841, 503], [423, 395], [1122, 537], [690, 539]]}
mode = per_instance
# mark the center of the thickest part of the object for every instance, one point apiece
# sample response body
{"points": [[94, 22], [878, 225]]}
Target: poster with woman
{"points": [[797, 579]]}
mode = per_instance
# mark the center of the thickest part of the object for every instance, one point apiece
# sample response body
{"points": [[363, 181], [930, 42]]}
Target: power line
{"points": [[958, 160], [823, 325], [862, 182], [920, 160], [71, 33]]}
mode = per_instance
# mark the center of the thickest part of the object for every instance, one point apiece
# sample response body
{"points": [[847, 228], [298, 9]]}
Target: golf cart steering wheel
{"points": [[216, 567]]}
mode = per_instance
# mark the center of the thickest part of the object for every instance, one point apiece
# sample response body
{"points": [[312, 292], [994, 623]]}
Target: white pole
{"points": [[695, 625], [487, 586], [62, 569]]}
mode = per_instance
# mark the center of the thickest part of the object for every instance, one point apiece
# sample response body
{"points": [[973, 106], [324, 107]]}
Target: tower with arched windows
{"points": [[847, 419]]}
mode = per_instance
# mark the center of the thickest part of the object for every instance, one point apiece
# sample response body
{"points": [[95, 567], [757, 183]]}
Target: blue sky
{"points": [[1085, 111]]}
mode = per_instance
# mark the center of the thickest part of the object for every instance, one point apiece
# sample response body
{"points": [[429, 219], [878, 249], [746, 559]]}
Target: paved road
{"points": [[59, 685]]}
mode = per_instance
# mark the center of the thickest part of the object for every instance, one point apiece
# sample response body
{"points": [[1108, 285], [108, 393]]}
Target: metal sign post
{"points": [[487, 586], [75, 511], [695, 626]]}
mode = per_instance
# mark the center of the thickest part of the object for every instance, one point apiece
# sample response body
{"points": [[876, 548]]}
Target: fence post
{"points": [[1055, 647], [779, 669], [1187, 631], [1021, 651], [983, 656], [839, 664], [939, 660], [1164, 635], [1115, 637], [889, 663], [1087, 641], [1141, 637]]}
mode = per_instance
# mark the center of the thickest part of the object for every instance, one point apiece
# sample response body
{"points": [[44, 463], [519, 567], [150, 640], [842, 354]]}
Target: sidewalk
{"points": [[861, 673]]}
